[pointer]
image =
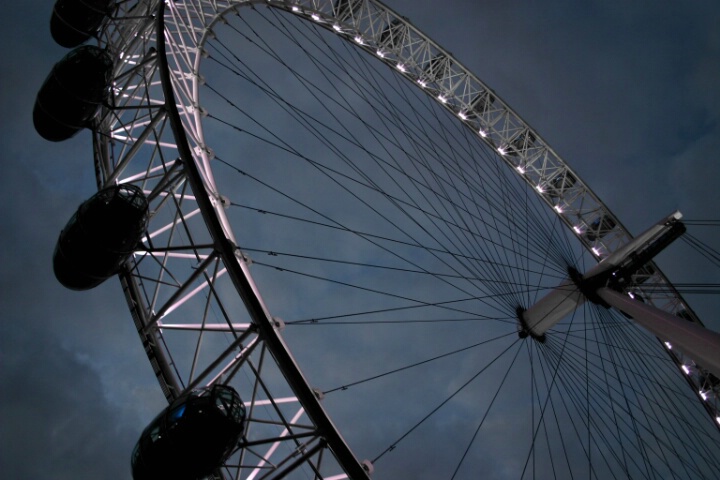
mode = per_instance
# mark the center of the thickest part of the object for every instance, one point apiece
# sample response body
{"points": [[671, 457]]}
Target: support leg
{"points": [[699, 343]]}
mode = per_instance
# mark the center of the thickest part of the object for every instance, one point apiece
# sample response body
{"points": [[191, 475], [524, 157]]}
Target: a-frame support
{"points": [[604, 285]]}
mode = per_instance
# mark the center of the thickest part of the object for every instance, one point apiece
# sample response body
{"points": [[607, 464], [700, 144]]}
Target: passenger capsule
{"points": [[100, 236], [521, 142], [479, 105], [392, 34], [600, 227], [72, 93], [345, 9], [436, 68], [192, 437], [561, 183], [75, 21]]}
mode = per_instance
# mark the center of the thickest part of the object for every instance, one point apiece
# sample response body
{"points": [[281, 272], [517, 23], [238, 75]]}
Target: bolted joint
{"points": [[589, 286], [524, 330]]}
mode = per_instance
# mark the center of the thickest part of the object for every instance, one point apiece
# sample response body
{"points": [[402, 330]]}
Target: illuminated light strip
{"points": [[191, 294], [190, 256], [172, 224], [260, 403], [146, 174], [211, 327], [268, 454]]}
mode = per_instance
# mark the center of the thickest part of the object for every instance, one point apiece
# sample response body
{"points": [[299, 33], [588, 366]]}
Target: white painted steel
{"points": [[562, 301], [132, 142], [699, 343]]}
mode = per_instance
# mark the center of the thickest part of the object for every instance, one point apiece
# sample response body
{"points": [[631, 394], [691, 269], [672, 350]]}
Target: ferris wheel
{"points": [[337, 238]]}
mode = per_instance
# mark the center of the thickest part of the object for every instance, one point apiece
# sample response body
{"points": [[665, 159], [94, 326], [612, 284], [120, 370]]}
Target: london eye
{"points": [[329, 227]]}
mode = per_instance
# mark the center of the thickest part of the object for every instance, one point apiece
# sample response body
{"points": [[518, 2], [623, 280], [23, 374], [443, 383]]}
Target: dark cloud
{"points": [[73, 400], [57, 421]]}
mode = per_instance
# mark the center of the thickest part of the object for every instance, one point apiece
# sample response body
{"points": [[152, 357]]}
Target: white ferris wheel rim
{"points": [[577, 220]]}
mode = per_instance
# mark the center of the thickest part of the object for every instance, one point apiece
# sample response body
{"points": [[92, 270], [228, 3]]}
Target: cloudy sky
{"points": [[626, 92]]}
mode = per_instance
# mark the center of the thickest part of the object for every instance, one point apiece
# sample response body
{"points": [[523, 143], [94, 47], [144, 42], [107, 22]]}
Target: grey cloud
{"points": [[56, 420], [630, 101]]}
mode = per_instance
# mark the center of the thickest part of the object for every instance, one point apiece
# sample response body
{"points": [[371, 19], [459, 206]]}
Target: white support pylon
{"points": [[569, 295], [697, 342]]}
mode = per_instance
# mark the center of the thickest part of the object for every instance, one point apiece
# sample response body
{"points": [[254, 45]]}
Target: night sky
{"points": [[626, 92]]}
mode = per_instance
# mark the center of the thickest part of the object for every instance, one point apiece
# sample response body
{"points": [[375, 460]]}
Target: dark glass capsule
{"points": [[100, 236], [192, 437], [561, 183], [73, 92], [74, 21], [600, 227], [391, 34], [436, 68], [521, 142], [479, 105], [345, 9]]}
